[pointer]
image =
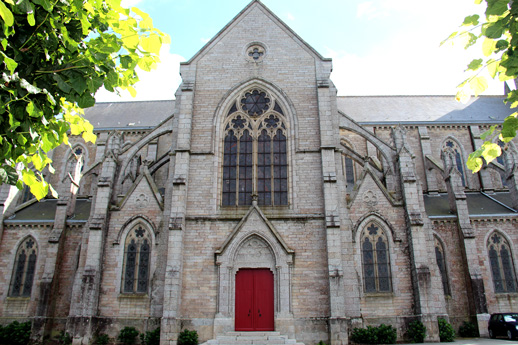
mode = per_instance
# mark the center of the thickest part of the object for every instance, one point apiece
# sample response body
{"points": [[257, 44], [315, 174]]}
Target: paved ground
{"points": [[479, 341]]}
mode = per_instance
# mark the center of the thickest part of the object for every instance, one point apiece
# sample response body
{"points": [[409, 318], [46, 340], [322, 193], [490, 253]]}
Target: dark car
{"points": [[503, 324]]}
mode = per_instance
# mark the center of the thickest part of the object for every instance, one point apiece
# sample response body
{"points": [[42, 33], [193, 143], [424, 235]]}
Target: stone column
{"points": [[176, 208], [85, 297], [329, 141], [427, 286], [459, 205], [426, 150]]}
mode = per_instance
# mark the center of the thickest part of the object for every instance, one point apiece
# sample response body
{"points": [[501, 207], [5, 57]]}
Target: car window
{"points": [[511, 318]]}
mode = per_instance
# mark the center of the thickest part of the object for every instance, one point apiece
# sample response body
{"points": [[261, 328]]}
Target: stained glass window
{"points": [[441, 263], [255, 152], [24, 269], [375, 259], [458, 159], [137, 256], [500, 159], [350, 177], [501, 262]]}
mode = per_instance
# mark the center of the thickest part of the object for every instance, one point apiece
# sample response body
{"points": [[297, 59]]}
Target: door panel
{"points": [[254, 300]]}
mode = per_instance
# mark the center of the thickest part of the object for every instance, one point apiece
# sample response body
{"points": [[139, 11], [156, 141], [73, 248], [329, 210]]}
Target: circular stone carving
{"points": [[255, 52]]}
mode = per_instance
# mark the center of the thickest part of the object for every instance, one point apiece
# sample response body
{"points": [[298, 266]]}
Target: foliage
{"points": [[383, 334], [128, 335], [446, 332], [150, 337], [468, 330], [65, 338], [498, 32], [187, 337], [321, 343], [15, 333], [55, 55], [416, 331], [102, 339]]}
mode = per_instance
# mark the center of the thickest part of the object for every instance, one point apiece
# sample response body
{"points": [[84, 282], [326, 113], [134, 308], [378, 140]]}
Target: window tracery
{"points": [[24, 269], [459, 162], [375, 259], [137, 257], [255, 151], [501, 262]]}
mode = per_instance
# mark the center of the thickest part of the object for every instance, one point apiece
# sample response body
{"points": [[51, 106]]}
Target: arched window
{"points": [[137, 257], [255, 152], [375, 259], [500, 159], [459, 162], [501, 262], [24, 269], [441, 263]]}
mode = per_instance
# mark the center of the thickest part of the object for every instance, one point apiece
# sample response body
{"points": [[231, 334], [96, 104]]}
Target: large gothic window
{"points": [[375, 259], [459, 163], [255, 152], [501, 262], [441, 263], [24, 269], [137, 257]]}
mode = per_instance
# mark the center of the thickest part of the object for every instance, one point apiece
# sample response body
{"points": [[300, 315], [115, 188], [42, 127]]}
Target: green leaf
{"points": [[46, 4], [493, 30], [509, 128], [475, 65], [8, 175], [492, 67], [490, 151], [6, 14], [9, 63], [488, 46], [478, 85], [30, 19], [475, 163], [497, 7], [471, 20]]}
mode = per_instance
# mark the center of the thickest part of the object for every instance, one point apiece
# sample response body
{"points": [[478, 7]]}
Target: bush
{"points": [[321, 343], [128, 335], [64, 338], [383, 334], [151, 337], [15, 333], [446, 332], [102, 339], [187, 337], [416, 331], [468, 330]]}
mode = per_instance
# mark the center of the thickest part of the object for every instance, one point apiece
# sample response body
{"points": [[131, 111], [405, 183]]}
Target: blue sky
{"points": [[378, 47]]}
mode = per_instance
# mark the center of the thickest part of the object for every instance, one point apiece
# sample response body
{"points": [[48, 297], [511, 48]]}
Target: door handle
{"points": [[249, 311], [259, 311]]}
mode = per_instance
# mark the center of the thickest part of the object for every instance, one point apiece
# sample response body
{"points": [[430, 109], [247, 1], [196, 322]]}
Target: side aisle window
{"points": [[501, 262], [24, 269], [137, 257], [375, 259]]}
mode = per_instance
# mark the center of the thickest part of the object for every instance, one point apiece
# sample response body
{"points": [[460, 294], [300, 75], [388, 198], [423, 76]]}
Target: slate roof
{"points": [[478, 205], [362, 109], [44, 211], [142, 114], [423, 109]]}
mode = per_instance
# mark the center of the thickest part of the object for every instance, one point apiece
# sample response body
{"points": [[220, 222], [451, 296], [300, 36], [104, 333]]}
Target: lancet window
{"points": [[375, 259], [255, 151], [137, 258], [24, 269], [459, 162], [441, 263], [501, 262]]}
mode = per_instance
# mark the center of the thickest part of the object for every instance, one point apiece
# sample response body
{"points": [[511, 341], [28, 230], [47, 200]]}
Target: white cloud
{"points": [[158, 84], [290, 17], [204, 40], [368, 10]]}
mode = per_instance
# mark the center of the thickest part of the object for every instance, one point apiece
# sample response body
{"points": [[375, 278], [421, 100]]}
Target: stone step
{"points": [[252, 338]]}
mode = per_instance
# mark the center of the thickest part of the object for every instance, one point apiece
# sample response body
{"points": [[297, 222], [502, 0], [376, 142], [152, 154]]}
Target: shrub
{"points": [[102, 339], [446, 332], [64, 338], [321, 343], [416, 331], [128, 335], [15, 333], [187, 337], [383, 334], [468, 330], [151, 337]]}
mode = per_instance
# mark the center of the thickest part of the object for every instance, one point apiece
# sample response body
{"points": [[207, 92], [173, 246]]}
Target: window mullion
{"points": [[272, 170], [238, 156], [255, 146]]}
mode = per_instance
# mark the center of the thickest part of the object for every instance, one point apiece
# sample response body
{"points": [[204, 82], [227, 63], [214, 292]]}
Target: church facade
{"points": [[259, 200]]}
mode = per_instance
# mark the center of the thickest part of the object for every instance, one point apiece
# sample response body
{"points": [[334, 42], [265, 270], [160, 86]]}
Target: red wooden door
{"points": [[254, 300]]}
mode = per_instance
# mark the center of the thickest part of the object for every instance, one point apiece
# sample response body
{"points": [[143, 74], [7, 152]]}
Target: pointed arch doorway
{"points": [[254, 300]]}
